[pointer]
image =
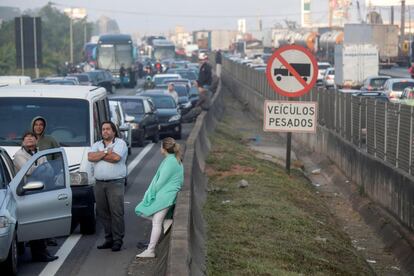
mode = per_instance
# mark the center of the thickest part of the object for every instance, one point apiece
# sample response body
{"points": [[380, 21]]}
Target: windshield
{"points": [[112, 56], [376, 83], [323, 66], [400, 86], [164, 52], [16, 115], [190, 75], [160, 80], [164, 102], [132, 107], [181, 91]]}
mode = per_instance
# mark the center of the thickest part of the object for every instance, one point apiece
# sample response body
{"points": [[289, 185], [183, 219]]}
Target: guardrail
{"points": [[370, 140], [186, 250]]}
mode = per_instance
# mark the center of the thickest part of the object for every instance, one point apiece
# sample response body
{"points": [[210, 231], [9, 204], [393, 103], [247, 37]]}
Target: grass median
{"points": [[278, 225]]}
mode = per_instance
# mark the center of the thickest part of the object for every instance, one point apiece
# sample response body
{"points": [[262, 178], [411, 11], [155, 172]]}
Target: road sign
{"points": [[290, 116], [292, 71]]}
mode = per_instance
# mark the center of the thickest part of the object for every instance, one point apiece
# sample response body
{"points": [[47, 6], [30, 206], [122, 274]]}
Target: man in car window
{"points": [[171, 91], [29, 148]]}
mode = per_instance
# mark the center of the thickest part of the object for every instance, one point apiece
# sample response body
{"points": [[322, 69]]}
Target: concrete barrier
{"points": [[186, 244]]}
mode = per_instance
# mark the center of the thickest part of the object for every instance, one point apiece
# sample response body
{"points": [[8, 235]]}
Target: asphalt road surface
{"points": [[78, 254]]}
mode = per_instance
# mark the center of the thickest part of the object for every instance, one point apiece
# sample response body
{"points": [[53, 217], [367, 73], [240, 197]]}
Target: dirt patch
{"points": [[234, 170]]}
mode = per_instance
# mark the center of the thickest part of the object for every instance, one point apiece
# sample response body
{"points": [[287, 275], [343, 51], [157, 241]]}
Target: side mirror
{"points": [[31, 186], [129, 119], [124, 128]]}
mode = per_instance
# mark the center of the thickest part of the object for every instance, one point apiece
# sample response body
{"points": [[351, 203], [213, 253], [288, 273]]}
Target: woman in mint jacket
{"points": [[162, 192]]}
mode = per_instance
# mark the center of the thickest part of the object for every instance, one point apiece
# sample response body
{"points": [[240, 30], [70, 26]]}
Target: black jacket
{"points": [[218, 57], [205, 75]]}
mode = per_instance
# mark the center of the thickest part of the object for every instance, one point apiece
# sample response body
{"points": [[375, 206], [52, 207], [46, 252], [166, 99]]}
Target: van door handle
{"points": [[62, 196]]}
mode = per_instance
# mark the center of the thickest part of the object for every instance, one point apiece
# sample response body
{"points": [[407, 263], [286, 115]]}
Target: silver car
{"points": [[35, 203], [394, 87]]}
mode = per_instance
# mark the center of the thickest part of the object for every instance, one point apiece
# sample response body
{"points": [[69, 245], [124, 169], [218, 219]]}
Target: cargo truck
{"points": [[384, 36], [354, 63], [214, 39]]}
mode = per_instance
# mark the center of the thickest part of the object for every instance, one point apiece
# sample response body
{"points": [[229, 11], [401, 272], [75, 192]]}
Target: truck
{"points": [[354, 63], [384, 36], [113, 51], [214, 40]]}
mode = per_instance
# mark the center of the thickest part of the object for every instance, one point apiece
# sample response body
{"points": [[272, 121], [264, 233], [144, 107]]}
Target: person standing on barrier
{"points": [[109, 162], [205, 76], [203, 103], [162, 192], [218, 63]]}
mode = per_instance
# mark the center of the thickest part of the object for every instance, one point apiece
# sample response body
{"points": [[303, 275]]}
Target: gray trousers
{"points": [[109, 197]]}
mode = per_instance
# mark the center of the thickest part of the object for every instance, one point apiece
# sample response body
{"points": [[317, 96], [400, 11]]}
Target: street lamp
{"points": [[74, 13]]}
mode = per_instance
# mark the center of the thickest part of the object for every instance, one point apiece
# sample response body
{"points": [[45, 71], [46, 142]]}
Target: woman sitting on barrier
{"points": [[162, 192]]}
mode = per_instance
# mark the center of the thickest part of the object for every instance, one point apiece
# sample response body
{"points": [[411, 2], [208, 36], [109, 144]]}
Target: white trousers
{"points": [[157, 222]]}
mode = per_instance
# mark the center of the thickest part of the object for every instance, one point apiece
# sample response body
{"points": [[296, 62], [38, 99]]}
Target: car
{"points": [[394, 87], [322, 66], [168, 112], [122, 122], [145, 124], [82, 78], [103, 79], [374, 83], [185, 82], [159, 78], [35, 203], [329, 77], [16, 80], [184, 102], [378, 95], [74, 115], [189, 74]]}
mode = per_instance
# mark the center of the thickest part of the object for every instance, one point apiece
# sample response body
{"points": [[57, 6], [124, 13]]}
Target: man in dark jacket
{"points": [[203, 103], [44, 141], [205, 75]]}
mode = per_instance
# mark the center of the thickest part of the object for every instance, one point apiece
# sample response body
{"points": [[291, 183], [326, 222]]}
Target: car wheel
{"points": [[9, 266], [156, 137], [141, 139], [88, 225]]}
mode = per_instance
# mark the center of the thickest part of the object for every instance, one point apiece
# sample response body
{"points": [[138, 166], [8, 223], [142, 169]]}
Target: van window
{"points": [[67, 120]]}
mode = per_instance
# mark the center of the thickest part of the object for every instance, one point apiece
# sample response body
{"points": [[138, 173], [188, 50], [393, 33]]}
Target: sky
{"points": [[161, 16]]}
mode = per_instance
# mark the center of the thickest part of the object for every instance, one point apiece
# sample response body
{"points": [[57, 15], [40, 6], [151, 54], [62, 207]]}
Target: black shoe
{"points": [[51, 242], [45, 257], [105, 245], [117, 246]]}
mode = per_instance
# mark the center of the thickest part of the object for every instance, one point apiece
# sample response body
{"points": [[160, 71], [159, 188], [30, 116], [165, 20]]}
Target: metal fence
{"points": [[382, 129]]}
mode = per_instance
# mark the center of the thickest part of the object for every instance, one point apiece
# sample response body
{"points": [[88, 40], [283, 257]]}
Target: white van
{"points": [[15, 80], [73, 117]]}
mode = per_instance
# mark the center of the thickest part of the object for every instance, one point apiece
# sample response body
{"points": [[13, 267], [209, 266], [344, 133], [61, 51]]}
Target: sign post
{"points": [[292, 72]]}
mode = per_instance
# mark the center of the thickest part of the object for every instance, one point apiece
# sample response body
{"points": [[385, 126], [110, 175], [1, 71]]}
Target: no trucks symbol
{"points": [[292, 71]]}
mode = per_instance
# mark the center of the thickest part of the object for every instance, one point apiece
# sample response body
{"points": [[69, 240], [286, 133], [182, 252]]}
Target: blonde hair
{"points": [[171, 146]]}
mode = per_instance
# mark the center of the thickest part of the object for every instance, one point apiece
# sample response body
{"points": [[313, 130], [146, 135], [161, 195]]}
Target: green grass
{"points": [[276, 226]]}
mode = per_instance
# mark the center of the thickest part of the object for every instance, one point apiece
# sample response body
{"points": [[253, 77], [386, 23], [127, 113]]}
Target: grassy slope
{"points": [[276, 226]]}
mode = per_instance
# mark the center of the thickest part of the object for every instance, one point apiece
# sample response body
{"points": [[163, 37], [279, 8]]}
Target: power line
{"points": [[188, 15]]}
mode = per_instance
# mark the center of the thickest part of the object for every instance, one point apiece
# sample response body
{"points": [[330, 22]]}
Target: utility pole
{"points": [[71, 38], [402, 27]]}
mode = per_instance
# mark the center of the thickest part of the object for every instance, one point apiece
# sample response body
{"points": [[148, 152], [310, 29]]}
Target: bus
{"points": [[162, 49], [113, 51]]}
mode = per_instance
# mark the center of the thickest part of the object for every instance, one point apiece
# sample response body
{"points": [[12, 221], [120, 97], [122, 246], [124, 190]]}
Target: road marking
{"points": [[64, 251], [138, 159]]}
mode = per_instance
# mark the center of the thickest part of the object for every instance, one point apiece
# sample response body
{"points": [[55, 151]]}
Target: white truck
{"points": [[384, 36], [354, 63]]}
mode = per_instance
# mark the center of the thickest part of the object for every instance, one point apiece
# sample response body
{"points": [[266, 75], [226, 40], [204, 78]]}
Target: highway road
{"points": [[78, 254]]}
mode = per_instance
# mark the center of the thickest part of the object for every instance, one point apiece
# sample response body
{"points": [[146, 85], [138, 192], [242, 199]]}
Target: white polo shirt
{"points": [[104, 170]]}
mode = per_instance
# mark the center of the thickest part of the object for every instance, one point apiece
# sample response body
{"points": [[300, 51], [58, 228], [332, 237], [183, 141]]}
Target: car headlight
{"points": [[134, 125], [78, 178], [4, 222], [174, 118]]}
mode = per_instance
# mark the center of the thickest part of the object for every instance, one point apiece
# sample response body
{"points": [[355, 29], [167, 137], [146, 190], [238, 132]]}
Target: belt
{"points": [[110, 180]]}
